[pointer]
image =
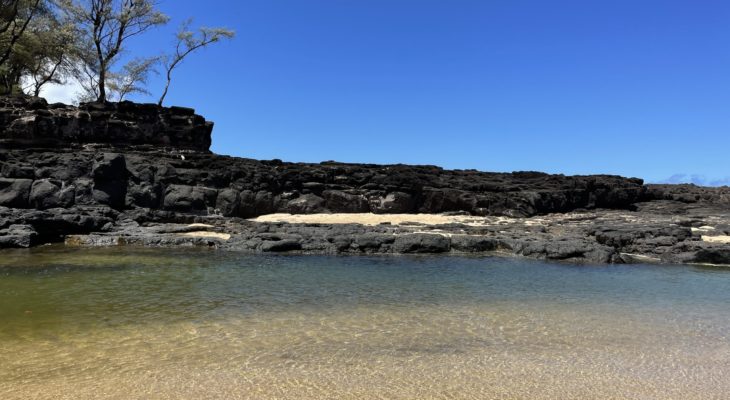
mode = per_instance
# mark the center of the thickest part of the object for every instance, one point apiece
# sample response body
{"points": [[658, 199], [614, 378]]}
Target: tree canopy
{"points": [[58, 41]]}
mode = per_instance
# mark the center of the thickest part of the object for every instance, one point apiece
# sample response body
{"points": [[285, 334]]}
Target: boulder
{"points": [[17, 171], [305, 204], [372, 242], [111, 193], [227, 202], [84, 193], [339, 201], [254, 204], [109, 167], [280, 245], [473, 244], [15, 192], [443, 200], [712, 255], [392, 203], [421, 243], [45, 194], [144, 195], [189, 198], [17, 236], [573, 249], [110, 180]]}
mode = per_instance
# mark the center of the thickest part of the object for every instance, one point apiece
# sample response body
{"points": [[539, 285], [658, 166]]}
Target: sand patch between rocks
{"points": [[206, 234], [716, 239], [377, 219], [199, 225]]}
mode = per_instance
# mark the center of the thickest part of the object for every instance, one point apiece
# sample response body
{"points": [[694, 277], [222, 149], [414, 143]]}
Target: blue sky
{"points": [[636, 88]]}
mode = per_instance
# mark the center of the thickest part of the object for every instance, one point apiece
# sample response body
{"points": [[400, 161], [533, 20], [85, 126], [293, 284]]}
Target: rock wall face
{"points": [[67, 169], [141, 156], [32, 122], [689, 193], [122, 170], [203, 184]]}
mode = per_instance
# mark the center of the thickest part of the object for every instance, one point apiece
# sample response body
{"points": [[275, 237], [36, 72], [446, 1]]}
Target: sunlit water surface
{"points": [[157, 324]]}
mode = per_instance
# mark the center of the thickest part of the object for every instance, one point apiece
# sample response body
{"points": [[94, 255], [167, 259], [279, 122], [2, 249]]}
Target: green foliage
{"points": [[54, 41], [15, 48], [106, 25], [132, 78], [50, 54]]}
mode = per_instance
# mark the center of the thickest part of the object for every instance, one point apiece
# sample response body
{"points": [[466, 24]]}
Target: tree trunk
{"points": [[102, 84], [164, 92]]}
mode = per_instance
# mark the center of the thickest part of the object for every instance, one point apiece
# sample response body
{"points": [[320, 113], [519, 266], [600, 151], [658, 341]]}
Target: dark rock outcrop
{"points": [[203, 183], [17, 236], [28, 121], [576, 237], [689, 193], [127, 155], [110, 171], [15, 192]]}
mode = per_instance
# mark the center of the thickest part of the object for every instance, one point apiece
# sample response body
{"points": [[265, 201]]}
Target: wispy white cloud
{"points": [[66, 93], [697, 179]]}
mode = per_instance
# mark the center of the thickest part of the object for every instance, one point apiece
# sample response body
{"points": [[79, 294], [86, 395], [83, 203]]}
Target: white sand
{"points": [[716, 239], [376, 219], [216, 235], [199, 225]]}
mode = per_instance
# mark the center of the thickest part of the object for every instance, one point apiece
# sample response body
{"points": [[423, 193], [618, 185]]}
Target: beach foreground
{"points": [[125, 323]]}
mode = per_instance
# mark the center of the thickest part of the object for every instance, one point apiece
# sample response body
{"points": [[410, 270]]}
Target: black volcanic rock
{"points": [[45, 194], [29, 121], [689, 193], [17, 236], [193, 183], [421, 243], [15, 192], [109, 171]]}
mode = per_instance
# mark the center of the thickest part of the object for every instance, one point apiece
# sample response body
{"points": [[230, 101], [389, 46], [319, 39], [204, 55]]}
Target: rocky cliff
{"points": [[127, 156], [32, 122], [93, 168]]}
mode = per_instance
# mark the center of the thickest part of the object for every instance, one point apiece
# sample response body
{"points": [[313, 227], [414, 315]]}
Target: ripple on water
{"points": [[139, 323]]}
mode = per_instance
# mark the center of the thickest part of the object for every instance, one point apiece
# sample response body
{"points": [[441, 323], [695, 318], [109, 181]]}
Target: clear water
{"points": [[167, 324]]}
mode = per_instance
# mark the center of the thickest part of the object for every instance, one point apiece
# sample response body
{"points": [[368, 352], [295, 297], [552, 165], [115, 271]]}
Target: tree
{"points": [[37, 46], [50, 41], [188, 42], [49, 54], [133, 77], [107, 25], [15, 16]]}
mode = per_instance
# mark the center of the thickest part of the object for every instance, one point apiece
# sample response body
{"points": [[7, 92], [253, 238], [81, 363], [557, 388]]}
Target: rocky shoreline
{"points": [[658, 232], [131, 174]]}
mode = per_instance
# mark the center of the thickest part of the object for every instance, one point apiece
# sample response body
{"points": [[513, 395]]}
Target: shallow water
{"points": [[158, 323]]}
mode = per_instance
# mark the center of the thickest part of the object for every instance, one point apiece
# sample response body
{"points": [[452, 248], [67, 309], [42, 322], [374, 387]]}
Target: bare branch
{"points": [[188, 42], [133, 77]]}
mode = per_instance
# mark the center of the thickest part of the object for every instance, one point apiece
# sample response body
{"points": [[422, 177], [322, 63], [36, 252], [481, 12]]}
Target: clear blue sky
{"points": [[637, 88]]}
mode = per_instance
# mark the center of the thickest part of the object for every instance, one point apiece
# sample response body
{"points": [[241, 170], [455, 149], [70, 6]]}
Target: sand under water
{"points": [[121, 323]]}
